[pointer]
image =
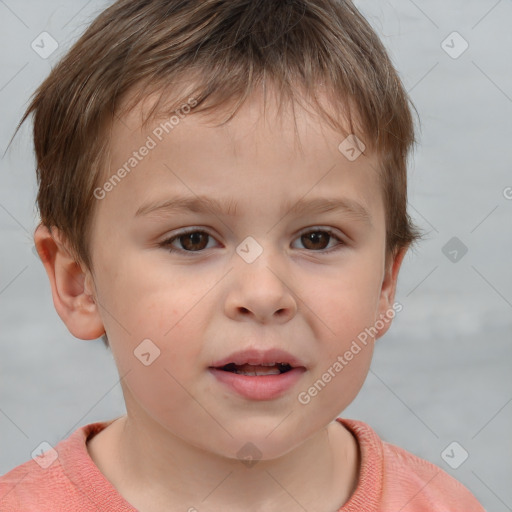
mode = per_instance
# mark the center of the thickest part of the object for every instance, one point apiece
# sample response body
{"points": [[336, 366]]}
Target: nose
{"points": [[260, 292]]}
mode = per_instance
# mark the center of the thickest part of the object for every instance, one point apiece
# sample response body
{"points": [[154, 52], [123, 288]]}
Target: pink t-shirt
{"points": [[391, 480]]}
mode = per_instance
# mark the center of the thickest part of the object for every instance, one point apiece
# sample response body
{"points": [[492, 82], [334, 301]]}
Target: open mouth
{"points": [[255, 370]]}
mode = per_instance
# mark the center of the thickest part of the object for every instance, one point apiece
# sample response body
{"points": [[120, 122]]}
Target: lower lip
{"points": [[261, 387]]}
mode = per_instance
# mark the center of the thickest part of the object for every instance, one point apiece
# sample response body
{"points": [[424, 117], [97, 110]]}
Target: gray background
{"points": [[441, 374]]}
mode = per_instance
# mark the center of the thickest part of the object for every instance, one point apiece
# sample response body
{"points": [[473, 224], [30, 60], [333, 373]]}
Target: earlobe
{"points": [[73, 301], [386, 311]]}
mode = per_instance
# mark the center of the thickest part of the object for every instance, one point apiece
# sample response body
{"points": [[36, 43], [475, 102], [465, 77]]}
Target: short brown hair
{"points": [[231, 46]]}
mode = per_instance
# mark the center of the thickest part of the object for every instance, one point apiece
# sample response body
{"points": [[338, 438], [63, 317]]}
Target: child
{"points": [[276, 133]]}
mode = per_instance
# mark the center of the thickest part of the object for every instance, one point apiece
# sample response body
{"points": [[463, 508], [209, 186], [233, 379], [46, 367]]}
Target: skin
{"points": [[177, 446]]}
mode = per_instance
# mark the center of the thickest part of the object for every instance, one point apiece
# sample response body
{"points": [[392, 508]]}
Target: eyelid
{"points": [[327, 229]]}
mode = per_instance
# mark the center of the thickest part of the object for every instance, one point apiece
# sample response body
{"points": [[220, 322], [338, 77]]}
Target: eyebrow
{"points": [[205, 204]]}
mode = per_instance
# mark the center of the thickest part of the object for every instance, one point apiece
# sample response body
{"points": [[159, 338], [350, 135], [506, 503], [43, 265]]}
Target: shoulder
{"points": [[35, 484], [425, 484], [407, 482], [61, 478]]}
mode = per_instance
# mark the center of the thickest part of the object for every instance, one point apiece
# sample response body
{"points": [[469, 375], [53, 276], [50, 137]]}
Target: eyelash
{"points": [[167, 243]]}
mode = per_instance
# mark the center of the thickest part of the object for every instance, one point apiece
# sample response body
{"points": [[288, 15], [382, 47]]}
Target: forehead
{"points": [[265, 106], [266, 144]]}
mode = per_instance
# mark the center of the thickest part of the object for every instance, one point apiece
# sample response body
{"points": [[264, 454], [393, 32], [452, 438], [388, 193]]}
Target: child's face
{"points": [[309, 296]]}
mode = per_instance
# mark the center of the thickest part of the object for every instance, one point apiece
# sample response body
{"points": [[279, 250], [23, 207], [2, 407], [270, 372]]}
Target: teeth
{"points": [[270, 368], [259, 372], [266, 364]]}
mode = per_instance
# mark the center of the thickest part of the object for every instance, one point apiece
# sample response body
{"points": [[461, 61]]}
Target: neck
{"points": [[152, 468]]}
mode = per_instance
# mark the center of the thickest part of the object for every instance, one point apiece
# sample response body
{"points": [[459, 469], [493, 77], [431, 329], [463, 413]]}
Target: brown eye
{"points": [[193, 241], [316, 240], [319, 240]]}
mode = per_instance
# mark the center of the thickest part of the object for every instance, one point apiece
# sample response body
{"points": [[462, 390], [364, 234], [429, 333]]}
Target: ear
{"points": [[386, 312], [71, 287]]}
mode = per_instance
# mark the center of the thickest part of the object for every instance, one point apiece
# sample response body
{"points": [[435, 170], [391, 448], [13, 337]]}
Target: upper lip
{"points": [[255, 357]]}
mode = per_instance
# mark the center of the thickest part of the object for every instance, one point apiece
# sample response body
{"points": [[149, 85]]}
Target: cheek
{"points": [[159, 347], [344, 358], [148, 300], [345, 303], [160, 368], [167, 327]]}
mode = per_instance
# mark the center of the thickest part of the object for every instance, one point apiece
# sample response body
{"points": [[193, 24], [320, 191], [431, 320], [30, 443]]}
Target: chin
{"points": [[266, 442]]}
